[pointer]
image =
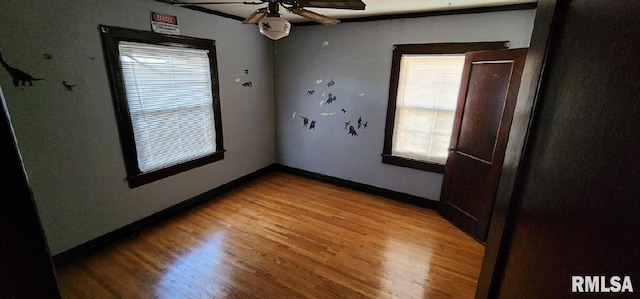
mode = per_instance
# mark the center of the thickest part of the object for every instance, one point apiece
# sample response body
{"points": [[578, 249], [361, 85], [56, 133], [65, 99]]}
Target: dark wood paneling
{"points": [[577, 197], [25, 264]]}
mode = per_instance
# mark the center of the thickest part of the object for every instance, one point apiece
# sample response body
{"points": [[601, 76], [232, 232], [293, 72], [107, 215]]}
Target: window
{"points": [[423, 95], [167, 102]]}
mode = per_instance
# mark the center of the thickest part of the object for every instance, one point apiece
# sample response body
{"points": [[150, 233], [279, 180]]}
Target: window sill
{"points": [[411, 163], [148, 177]]}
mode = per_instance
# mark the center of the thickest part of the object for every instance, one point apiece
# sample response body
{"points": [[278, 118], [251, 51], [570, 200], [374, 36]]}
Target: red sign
{"points": [[164, 18], [166, 24]]}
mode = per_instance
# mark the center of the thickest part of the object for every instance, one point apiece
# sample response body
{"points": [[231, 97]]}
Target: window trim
{"points": [[111, 36], [398, 51]]}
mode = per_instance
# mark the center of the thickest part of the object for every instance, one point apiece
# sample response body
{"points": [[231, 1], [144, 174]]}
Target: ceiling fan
{"points": [[270, 21]]}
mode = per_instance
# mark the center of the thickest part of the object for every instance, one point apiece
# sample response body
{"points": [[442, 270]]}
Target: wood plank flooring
{"points": [[283, 236]]}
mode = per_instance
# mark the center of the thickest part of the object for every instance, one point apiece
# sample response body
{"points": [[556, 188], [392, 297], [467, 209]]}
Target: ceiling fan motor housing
{"points": [[271, 23]]}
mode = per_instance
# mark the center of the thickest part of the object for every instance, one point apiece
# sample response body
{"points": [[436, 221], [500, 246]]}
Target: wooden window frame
{"points": [[111, 36], [437, 48]]}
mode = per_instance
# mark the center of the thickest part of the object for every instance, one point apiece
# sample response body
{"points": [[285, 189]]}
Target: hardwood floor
{"points": [[283, 236]]}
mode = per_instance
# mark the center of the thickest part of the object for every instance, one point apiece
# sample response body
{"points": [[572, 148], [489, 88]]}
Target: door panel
{"points": [[488, 92], [483, 108], [469, 190]]}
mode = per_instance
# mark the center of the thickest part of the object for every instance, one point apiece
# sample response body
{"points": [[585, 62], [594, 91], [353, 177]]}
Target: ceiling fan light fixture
{"points": [[274, 28]]}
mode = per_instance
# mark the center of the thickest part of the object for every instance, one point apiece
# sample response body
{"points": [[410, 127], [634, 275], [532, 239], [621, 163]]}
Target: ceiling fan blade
{"points": [[219, 2], [340, 4], [256, 16], [314, 16]]}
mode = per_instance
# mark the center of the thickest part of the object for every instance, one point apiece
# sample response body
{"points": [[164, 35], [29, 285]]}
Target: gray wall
{"points": [[69, 140], [358, 59]]}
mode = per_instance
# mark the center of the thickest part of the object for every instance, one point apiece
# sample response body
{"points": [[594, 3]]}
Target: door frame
{"points": [[27, 270], [548, 15]]}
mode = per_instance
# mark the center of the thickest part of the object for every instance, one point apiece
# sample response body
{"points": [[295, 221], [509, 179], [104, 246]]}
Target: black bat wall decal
{"points": [[352, 131], [305, 121], [331, 99], [68, 86], [331, 83]]}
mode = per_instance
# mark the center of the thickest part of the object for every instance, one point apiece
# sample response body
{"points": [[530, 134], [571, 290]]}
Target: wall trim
{"points": [[131, 229], [463, 11], [213, 12], [373, 190], [153, 219]]}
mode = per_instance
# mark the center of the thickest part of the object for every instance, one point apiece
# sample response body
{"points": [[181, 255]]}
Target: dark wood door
{"points": [[26, 270], [488, 92]]}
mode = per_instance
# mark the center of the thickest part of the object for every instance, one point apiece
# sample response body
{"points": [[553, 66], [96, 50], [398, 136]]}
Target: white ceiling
{"points": [[373, 7]]}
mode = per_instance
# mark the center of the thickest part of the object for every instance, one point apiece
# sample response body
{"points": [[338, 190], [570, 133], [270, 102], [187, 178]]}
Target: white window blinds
{"points": [[428, 88], [168, 90]]}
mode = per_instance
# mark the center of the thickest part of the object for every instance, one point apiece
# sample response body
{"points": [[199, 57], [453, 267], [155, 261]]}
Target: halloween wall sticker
{"points": [[246, 83], [305, 122], [331, 99], [360, 123], [351, 126], [352, 130], [346, 125], [20, 78], [68, 87], [331, 83]]}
